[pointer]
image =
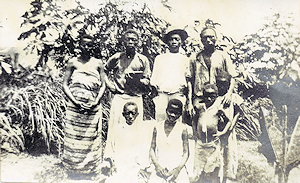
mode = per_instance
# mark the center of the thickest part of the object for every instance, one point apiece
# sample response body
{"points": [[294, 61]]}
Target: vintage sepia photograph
{"points": [[150, 91]]}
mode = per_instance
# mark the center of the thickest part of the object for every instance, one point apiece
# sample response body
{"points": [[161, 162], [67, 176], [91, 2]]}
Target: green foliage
{"points": [[54, 32], [247, 126]]}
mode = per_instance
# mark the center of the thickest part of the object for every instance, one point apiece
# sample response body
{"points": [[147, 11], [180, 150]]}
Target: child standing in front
{"points": [[169, 148]]}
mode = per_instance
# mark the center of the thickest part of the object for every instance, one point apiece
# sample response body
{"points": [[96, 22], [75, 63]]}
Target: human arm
{"points": [[110, 65], [189, 103], [102, 88], [190, 74], [154, 79], [228, 96], [147, 71], [234, 121], [159, 170], [69, 71], [225, 119], [173, 174], [230, 68], [224, 131]]}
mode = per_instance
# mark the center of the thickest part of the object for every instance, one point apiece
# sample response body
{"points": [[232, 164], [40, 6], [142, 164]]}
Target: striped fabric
{"points": [[82, 141], [82, 146]]}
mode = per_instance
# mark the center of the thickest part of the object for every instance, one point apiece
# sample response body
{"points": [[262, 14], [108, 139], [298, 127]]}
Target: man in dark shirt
{"points": [[128, 74]]}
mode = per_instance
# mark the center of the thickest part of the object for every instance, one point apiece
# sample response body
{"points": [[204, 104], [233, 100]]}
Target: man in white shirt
{"points": [[171, 75]]}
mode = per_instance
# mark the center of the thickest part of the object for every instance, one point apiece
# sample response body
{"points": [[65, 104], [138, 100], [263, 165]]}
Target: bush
{"points": [[37, 112]]}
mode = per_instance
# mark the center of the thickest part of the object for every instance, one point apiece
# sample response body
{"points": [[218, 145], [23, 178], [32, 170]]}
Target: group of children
{"points": [[169, 150]]}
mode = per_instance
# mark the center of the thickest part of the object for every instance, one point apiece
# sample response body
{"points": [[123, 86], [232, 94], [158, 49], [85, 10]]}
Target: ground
{"points": [[253, 167]]}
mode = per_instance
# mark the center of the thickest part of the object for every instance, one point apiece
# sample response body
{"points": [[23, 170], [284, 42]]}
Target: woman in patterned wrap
{"points": [[84, 86]]}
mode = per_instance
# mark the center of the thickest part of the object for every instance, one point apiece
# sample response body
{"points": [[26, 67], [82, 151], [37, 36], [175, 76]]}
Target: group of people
{"points": [[191, 139]]}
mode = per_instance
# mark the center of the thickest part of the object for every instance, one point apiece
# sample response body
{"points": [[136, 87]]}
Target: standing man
{"points": [[171, 75], [205, 68], [129, 73]]}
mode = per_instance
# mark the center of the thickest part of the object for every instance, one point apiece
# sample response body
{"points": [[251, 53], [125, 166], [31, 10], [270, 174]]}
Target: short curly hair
{"points": [[130, 31]]}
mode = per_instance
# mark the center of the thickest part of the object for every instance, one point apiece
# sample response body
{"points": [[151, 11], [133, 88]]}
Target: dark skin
{"points": [[208, 39], [72, 66], [130, 113], [209, 99], [168, 127], [130, 42], [174, 43]]}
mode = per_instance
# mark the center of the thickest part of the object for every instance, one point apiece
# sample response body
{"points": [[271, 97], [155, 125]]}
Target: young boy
{"points": [[212, 125], [126, 147], [169, 148]]}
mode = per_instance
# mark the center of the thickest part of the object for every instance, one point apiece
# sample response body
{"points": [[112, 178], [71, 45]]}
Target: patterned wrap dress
{"points": [[82, 141]]}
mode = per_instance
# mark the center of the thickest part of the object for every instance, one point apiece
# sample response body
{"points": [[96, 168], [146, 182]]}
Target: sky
{"points": [[237, 17]]}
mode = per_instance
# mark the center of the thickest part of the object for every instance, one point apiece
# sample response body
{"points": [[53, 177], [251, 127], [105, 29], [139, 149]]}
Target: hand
{"points": [[227, 99], [173, 174], [162, 172], [76, 103], [94, 104], [190, 109], [218, 134], [144, 173], [145, 81], [128, 75]]}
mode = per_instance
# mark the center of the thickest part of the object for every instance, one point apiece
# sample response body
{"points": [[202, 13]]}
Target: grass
{"points": [[12, 139], [37, 111], [253, 166]]}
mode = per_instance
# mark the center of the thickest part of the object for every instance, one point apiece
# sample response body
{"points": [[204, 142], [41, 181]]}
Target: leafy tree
{"points": [[273, 51], [273, 55], [54, 32]]}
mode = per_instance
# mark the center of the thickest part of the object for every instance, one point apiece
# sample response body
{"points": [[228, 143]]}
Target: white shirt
{"points": [[170, 71]]}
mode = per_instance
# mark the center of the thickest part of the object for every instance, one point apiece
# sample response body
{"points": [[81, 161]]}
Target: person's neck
{"points": [[208, 51], [170, 123], [130, 52], [84, 57], [168, 126], [174, 50]]}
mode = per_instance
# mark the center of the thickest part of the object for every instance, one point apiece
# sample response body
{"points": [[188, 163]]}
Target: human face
{"points": [[130, 113], [209, 38], [131, 40], [209, 98], [223, 86], [86, 44], [173, 115], [174, 42]]}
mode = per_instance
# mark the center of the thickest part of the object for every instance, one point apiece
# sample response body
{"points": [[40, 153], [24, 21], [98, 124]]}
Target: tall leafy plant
{"points": [[273, 54], [53, 31]]}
